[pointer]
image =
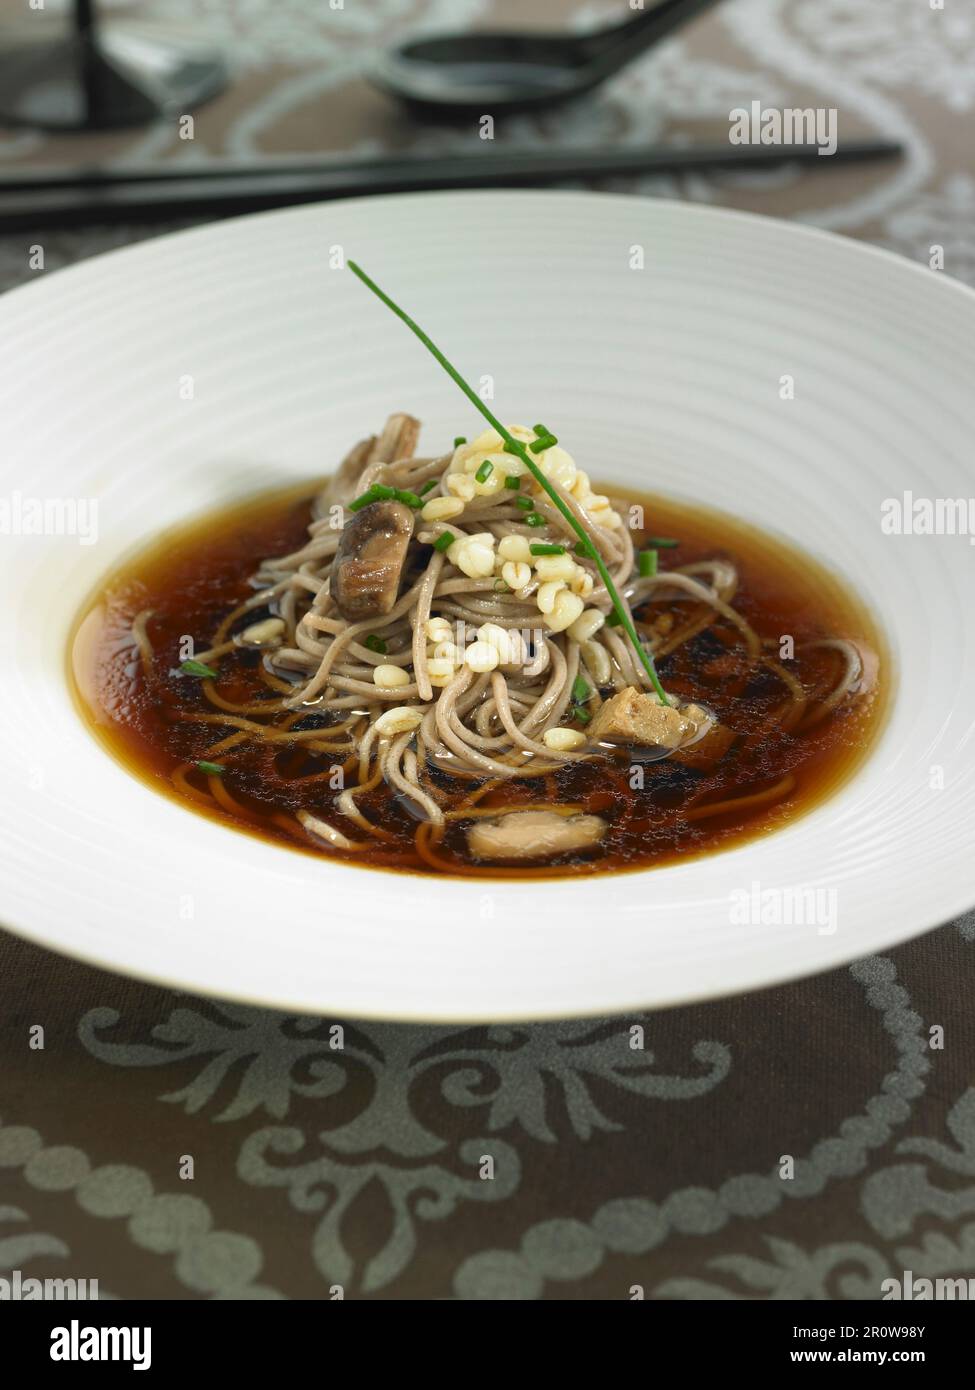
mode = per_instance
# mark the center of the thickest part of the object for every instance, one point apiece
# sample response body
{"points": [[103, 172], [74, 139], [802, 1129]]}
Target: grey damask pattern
{"points": [[275, 1061], [19, 1247], [637, 1224], [218, 1264]]}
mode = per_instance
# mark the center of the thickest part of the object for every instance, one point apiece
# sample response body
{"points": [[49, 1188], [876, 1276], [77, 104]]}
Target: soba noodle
{"points": [[409, 699]]}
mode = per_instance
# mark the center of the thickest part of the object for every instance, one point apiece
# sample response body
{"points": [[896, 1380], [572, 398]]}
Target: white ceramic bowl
{"points": [[667, 378]]}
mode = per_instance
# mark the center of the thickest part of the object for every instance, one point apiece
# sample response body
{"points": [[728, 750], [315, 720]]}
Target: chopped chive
{"points": [[197, 668], [375, 644], [381, 492], [444, 541], [538, 446], [430, 482], [662, 542], [512, 446], [583, 549], [581, 690], [409, 499], [512, 482], [541, 430], [212, 769], [582, 715], [614, 619], [461, 439], [485, 471], [500, 587], [533, 519], [371, 494], [525, 503], [538, 549], [647, 562]]}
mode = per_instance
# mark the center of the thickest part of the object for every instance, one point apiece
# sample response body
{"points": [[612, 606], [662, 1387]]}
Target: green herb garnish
{"points": [[534, 519], [647, 563], [444, 541], [512, 481], [485, 471], [584, 550], [212, 769], [582, 715], [197, 668], [461, 439], [662, 542], [538, 446], [375, 644], [430, 483], [581, 690], [614, 619], [537, 548], [377, 493], [525, 503], [514, 447], [409, 499], [541, 430]]}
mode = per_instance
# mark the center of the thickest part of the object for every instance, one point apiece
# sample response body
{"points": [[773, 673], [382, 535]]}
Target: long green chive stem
{"points": [[513, 446]]}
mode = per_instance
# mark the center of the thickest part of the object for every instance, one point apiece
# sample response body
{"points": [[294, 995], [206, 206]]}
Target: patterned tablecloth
{"points": [[175, 1148]]}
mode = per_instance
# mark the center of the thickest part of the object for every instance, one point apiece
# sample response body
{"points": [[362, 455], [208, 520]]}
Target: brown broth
{"points": [[192, 576]]}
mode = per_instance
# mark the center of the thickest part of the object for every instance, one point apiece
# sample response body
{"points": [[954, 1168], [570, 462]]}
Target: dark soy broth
{"points": [[191, 577]]}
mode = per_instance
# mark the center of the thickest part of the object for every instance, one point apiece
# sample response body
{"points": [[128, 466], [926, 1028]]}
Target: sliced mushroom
{"points": [[397, 441], [533, 835], [706, 752], [369, 562], [343, 485]]}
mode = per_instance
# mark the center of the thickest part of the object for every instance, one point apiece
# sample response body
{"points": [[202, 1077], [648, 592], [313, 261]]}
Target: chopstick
{"points": [[76, 196]]}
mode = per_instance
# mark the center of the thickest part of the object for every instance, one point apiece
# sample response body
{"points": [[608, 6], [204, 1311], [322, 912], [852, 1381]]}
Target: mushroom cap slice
{"points": [[533, 835], [369, 562]]}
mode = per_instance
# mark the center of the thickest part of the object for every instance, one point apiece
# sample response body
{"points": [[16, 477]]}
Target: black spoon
{"points": [[490, 73]]}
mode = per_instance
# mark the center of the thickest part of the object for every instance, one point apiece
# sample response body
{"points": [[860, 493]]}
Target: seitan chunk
{"points": [[533, 835], [634, 716]]}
